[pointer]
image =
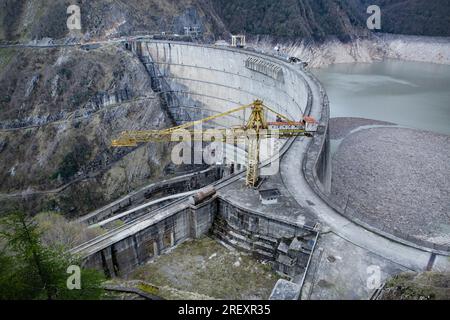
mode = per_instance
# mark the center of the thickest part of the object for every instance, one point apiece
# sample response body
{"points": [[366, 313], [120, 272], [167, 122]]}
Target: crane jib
{"points": [[253, 131]]}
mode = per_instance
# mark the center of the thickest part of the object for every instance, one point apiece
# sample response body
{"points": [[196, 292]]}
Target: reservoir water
{"points": [[411, 94]]}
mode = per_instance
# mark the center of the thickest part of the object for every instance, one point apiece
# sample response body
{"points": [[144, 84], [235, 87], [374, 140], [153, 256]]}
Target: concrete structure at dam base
{"points": [[323, 253]]}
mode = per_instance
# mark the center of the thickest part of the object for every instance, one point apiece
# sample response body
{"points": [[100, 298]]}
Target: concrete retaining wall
{"points": [[124, 255], [286, 244], [317, 162]]}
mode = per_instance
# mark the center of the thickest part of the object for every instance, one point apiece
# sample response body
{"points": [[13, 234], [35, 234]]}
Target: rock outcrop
{"points": [[63, 109]]}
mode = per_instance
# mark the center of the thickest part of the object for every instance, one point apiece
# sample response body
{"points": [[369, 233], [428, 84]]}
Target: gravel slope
{"points": [[396, 179]]}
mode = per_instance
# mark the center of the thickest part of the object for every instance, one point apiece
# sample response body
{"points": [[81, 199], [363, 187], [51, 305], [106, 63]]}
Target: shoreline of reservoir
{"points": [[374, 48]]}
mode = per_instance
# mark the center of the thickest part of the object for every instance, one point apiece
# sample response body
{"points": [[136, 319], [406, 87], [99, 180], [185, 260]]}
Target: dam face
{"points": [[206, 80]]}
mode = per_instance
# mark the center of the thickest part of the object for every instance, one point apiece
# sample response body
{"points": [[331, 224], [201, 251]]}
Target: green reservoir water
{"points": [[411, 94]]}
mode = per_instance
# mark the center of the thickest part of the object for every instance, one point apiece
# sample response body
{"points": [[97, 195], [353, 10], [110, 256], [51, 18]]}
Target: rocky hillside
{"points": [[366, 50], [345, 19], [414, 17], [312, 19], [306, 19], [59, 110], [26, 19]]}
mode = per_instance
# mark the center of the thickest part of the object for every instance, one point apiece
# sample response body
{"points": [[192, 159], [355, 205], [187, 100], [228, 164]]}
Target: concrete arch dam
{"points": [[196, 81], [199, 81]]}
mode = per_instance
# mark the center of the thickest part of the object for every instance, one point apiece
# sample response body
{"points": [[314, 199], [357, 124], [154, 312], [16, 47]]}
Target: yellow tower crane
{"points": [[255, 129]]}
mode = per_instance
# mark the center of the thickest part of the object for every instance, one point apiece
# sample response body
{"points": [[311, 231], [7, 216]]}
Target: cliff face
{"points": [[59, 110]]}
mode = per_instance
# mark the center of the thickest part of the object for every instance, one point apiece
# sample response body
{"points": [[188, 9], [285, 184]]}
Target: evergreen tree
{"points": [[29, 270]]}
